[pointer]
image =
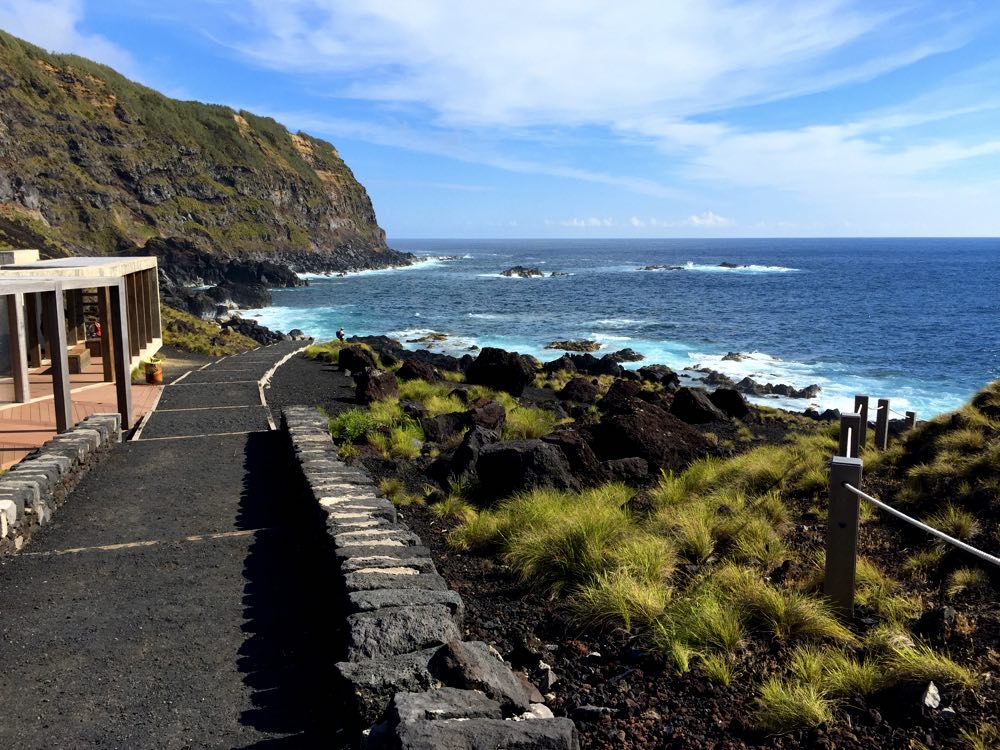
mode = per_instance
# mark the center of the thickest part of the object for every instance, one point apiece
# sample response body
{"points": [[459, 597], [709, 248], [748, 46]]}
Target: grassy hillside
{"points": [[92, 162], [192, 334]]}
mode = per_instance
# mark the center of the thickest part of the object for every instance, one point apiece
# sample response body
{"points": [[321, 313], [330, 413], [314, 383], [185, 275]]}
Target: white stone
{"points": [[373, 543], [390, 571], [537, 711], [932, 697]]}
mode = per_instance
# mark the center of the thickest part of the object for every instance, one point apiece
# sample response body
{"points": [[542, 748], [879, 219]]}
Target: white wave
{"points": [[619, 323], [742, 269], [420, 263], [607, 337]]}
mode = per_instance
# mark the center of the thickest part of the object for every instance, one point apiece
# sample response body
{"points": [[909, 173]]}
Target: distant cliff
{"points": [[92, 163]]}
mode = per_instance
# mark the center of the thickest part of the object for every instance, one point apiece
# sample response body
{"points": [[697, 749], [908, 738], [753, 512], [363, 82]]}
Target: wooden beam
{"points": [[31, 324], [107, 327], [18, 347], [142, 294], [120, 344], [81, 317], [132, 315], [153, 278], [55, 320]]}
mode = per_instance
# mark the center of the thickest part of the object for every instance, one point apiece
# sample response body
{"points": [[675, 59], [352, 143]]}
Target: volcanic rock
{"points": [[518, 465], [375, 385], [501, 370], [694, 407]]}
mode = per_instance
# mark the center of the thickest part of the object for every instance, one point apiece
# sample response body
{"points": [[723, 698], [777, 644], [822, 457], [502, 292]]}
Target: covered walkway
{"points": [[72, 331], [179, 599]]}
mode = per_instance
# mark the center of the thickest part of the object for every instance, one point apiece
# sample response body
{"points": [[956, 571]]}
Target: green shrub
{"points": [[352, 425], [527, 423]]}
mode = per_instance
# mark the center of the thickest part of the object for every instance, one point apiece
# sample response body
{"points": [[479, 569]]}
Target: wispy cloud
{"points": [[524, 62], [55, 25]]}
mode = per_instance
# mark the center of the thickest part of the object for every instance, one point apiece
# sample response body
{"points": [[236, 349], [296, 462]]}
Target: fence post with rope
{"points": [[861, 407], [882, 425], [911, 420], [850, 435], [842, 533]]}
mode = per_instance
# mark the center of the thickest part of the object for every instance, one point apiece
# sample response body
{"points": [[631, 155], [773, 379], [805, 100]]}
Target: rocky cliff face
{"points": [[91, 163]]}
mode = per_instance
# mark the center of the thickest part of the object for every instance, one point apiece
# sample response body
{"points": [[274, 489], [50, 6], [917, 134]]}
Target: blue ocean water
{"points": [[913, 320]]}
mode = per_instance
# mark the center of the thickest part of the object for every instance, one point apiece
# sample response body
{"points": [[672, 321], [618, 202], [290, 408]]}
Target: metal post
{"points": [[55, 319], [842, 533], [123, 374], [850, 432], [911, 420], [882, 425], [861, 407], [18, 347]]}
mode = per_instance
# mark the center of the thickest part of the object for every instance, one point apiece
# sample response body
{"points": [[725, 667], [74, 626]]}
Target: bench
{"points": [[79, 359]]}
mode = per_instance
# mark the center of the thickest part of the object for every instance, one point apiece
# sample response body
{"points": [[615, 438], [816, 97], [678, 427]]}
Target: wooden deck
{"points": [[24, 427]]}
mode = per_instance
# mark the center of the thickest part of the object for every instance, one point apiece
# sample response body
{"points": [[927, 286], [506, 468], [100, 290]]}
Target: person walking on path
{"points": [[340, 334]]}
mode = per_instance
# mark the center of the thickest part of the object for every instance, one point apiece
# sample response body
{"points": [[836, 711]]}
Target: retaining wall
{"points": [[32, 490], [409, 679]]}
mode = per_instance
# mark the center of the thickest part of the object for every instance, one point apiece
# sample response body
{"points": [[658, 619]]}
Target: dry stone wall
{"points": [[410, 680], [32, 490]]}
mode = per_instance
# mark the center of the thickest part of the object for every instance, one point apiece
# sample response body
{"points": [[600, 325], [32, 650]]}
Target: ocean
{"points": [[913, 320]]}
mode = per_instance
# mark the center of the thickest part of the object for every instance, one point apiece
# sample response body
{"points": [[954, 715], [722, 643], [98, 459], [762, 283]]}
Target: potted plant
{"points": [[154, 370]]}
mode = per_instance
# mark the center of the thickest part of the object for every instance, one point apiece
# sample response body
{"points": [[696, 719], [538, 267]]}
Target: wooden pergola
{"points": [[46, 300]]}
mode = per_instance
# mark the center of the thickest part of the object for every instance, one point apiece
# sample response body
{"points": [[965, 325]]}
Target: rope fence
{"points": [[845, 496]]}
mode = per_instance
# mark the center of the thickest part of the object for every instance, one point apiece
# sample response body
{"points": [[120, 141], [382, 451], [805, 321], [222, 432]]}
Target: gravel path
{"points": [[180, 598]]}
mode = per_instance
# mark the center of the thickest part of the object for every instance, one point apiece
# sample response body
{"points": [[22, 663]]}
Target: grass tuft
{"points": [[955, 522], [787, 706], [965, 579]]}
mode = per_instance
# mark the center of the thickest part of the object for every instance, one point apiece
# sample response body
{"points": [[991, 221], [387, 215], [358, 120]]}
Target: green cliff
{"points": [[92, 163]]}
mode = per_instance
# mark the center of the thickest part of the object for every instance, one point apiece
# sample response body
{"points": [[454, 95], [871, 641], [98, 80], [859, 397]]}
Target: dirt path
{"points": [[177, 599]]}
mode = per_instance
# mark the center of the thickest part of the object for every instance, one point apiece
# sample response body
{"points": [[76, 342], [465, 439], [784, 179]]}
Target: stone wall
{"points": [[34, 488], [409, 679]]}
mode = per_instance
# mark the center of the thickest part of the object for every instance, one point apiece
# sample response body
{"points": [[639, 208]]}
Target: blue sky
{"points": [[584, 118]]}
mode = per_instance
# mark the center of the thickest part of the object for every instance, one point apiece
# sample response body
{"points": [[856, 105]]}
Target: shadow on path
{"points": [[294, 623]]}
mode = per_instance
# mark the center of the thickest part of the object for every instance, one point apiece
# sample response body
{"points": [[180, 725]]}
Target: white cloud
{"points": [[54, 25], [523, 62], [708, 219], [587, 223]]}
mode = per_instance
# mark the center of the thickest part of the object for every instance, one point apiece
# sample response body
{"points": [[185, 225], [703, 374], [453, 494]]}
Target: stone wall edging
{"points": [[409, 676], [32, 489]]}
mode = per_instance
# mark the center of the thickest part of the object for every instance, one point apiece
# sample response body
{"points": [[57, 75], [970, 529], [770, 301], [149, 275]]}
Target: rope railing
{"points": [[845, 496], [924, 527]]}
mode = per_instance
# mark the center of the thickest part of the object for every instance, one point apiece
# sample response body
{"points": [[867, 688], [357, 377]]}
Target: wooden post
{"points": [[153, 279], [107, 328], [911, 420], [34, 342], [55, 320], [842, 533], [882, 424], [81, 317], [861, 407], [70, 307], [132, 316], [143, 295], [850, 435], [120, 344], [18, 347]]}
